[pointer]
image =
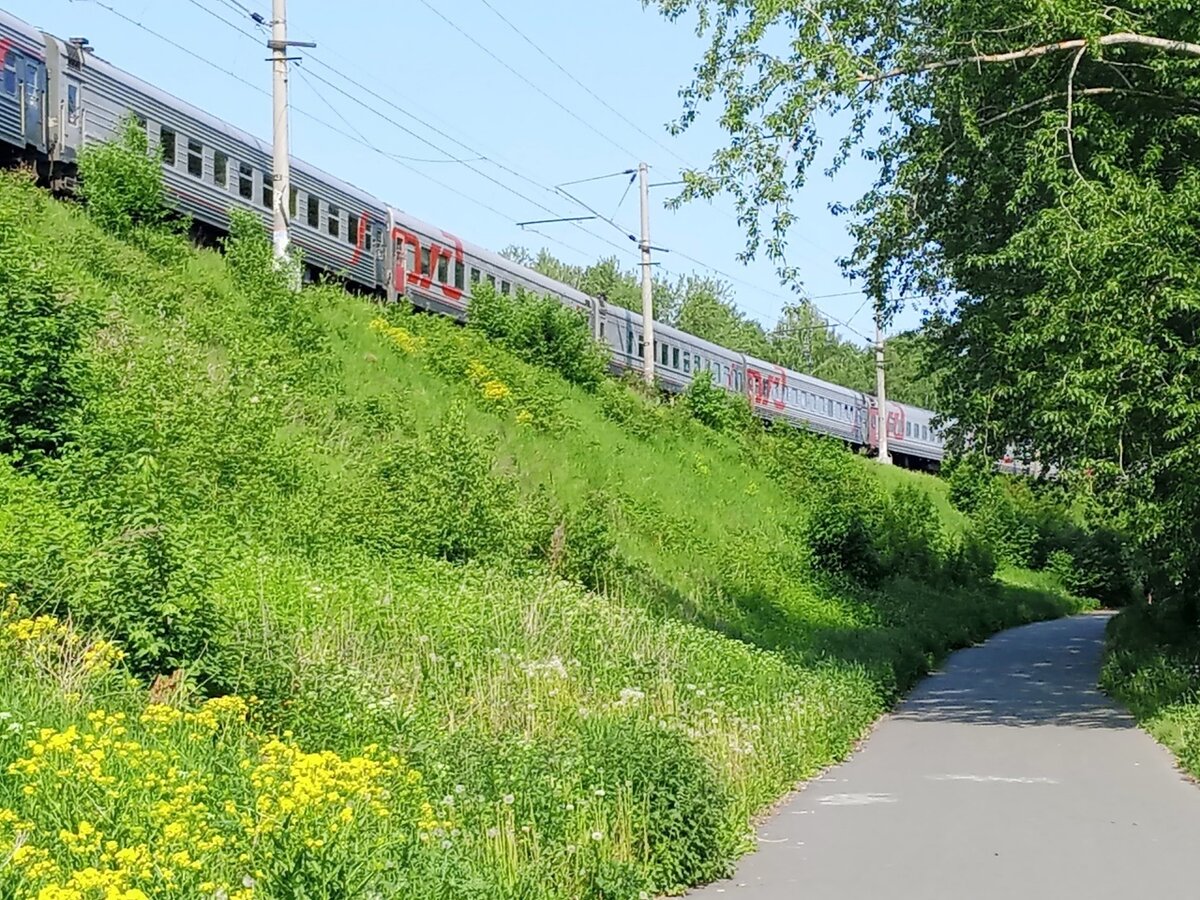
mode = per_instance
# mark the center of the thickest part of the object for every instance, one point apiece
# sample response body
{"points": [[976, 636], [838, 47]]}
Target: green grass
{"points": [[404, 536], [1152, 665]]}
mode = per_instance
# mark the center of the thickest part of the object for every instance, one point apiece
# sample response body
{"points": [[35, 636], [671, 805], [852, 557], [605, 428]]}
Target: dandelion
{"points": [[509, 799], [597, 835], [493, 832], [524, 417]]}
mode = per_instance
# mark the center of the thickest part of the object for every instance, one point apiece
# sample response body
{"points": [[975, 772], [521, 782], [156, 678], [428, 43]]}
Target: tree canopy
{"points": [[1037, 169]]}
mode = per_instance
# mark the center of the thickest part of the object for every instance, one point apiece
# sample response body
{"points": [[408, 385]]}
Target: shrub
{"points": [[443, 498], [589, 544], [1005, 523], [541, 331], [843, 502], [970, 560], [716, 408], [42, 328], [968, 477], [677, 803], [910, 535], [121, 181]]}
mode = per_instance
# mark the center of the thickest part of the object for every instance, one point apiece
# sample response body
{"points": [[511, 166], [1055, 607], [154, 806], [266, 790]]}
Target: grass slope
{"points": [[477, 632]]}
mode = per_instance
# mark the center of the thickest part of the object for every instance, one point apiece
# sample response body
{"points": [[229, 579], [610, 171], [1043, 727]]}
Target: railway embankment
{"points": [[309, 597]]}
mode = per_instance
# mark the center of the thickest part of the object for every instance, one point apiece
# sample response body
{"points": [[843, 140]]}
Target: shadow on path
{"points": [[1012, 680]]}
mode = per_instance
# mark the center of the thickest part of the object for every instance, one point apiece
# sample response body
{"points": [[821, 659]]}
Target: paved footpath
{"points": [[1005, 775]]}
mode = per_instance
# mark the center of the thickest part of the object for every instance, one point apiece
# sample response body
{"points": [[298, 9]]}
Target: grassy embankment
{"points": [[476, 631], [1152, 665]]}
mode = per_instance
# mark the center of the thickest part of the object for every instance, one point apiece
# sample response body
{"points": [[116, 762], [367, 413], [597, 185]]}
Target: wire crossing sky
{"points": [[467, 113]]}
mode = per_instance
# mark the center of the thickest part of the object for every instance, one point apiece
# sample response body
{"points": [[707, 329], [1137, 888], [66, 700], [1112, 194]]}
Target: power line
{"points": [[357, 140], [570, 112], [587, 89], [392, 121]]}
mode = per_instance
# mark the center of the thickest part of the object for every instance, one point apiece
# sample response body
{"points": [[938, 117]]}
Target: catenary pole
{"points": [[647, 283], [881, 393], [281, 175]]}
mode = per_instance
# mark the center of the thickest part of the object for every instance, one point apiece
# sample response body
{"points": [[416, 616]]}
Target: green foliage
{"points": [[442, 497], [910, 535], [844, 505], [969, 477], [716, 408], [42, 326], [688, 839], [540, 330], [121, 181], [1041, 169], [1152, 666]]}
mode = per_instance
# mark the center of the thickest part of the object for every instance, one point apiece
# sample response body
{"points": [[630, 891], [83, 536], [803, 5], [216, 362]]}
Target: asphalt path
{"points": [[1005, 775]]}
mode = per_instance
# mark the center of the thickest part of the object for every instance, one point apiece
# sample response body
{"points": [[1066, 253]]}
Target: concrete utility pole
{"points": [[881, 393], [647, 283], [281, 171]]}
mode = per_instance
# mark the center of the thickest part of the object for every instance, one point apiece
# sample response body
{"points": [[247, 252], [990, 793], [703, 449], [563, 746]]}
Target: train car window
{"points": [[424, 270], [674, 357], [410, 257], [142, 123], [629, 341], [72, 101], [491, 279], [474, 275], [924, 432], [10, 72], [195, 158], [166, 145], [245, 181], [908, 429], [687, 362], [459, 274], [220, 168], [268, 193], [293, 199], [334, 223], [314, 211], [351, 228], [443, 270], [505, 287]]}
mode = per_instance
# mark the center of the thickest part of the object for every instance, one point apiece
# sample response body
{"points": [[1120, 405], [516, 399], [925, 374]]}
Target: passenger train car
{"points": [[57, 96]]}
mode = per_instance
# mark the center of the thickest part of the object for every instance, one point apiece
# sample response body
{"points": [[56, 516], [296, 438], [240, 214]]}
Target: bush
{"points": [[910, 536], [443, 499], [677, 803], [541, 331], [1005, 523], [969, 477], [42, 329], [716, 408], [843, 503], [121, 181]]}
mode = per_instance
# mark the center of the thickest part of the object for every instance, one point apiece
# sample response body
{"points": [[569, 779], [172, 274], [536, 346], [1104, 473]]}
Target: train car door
{"points": [[33, 88], [72, 113]]}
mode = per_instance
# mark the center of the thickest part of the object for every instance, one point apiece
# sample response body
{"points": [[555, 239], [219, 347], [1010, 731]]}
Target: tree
{"points": [[1038, 163]]}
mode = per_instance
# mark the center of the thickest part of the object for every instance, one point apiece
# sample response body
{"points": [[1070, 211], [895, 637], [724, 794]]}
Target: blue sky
{"points": [[419, 55]]}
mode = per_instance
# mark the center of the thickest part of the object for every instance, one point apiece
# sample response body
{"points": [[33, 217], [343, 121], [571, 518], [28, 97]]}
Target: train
{"points": [[57, 96]]}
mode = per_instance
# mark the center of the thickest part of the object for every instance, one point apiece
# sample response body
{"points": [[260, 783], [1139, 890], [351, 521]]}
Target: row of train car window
{"points": [[448, 270], [920, 432], [227, 173]]}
